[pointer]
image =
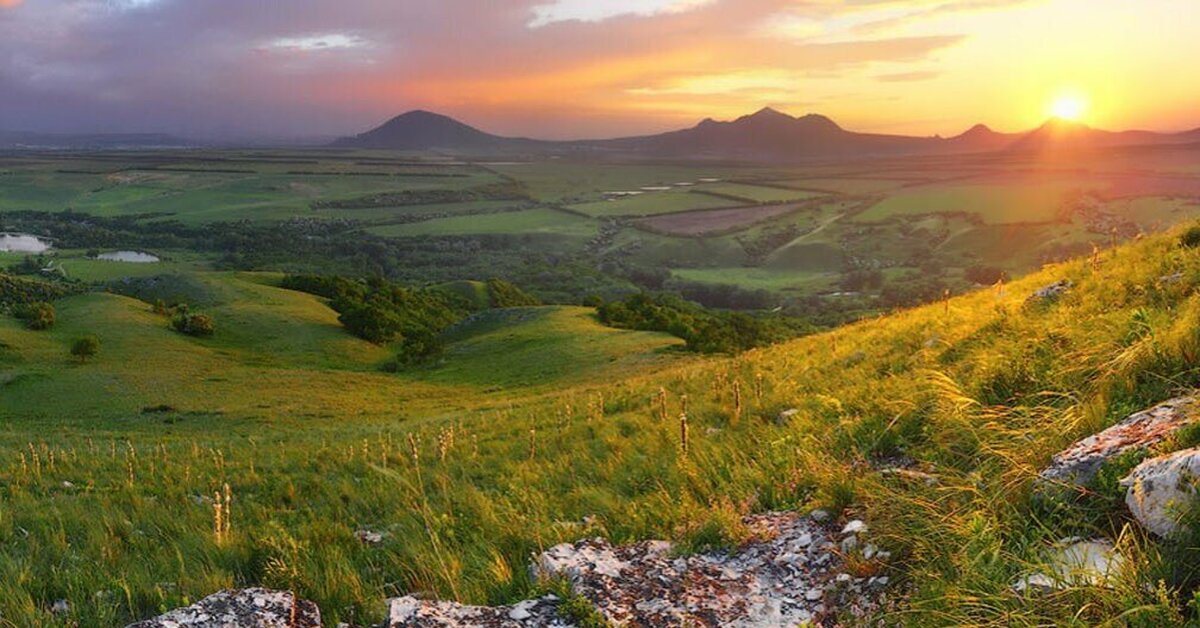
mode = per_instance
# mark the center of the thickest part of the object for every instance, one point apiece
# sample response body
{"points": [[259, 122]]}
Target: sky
{"points": [[223, 69]]}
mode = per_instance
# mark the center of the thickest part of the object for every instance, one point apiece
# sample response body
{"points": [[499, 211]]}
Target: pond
{"points": [[22, 243], [136, 257]]}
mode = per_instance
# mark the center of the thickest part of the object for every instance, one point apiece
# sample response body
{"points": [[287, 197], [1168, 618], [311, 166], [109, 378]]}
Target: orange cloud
{"points": [[8, 4]]}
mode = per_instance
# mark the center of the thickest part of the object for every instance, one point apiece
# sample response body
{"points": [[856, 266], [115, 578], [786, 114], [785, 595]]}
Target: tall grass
{"points": [[131, 517]]}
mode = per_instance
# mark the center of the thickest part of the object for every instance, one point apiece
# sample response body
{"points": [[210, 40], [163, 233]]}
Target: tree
{"points": [[39, 315], [86, 348], [199, 325]]}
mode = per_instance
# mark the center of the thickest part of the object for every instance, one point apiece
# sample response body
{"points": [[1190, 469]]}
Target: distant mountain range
{"points": [[22, 140], [765, 135]]}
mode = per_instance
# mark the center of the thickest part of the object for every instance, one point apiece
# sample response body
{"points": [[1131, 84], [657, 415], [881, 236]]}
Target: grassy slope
{"points": [[980, 393]]}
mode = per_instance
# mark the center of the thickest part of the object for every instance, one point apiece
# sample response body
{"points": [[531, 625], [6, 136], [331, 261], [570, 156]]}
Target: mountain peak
{"points": [[769, 112]]}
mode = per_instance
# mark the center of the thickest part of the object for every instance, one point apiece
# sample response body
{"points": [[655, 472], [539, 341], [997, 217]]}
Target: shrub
{"points": [[199, 325], [1191, 237], [38, 315], [86, 348], [503, 294]]}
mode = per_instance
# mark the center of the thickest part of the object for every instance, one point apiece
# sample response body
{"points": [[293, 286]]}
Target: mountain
{"points": [[22, 139], [771, 134], [1059, 135], [767, 135], [425, 130]]}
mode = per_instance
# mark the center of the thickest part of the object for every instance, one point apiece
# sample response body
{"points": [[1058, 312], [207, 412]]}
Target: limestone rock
{"points": [[410, 612], [247, 608], [1052, 292], [778, 579], [1075, 562], [1077, 465], [1161, 489]]}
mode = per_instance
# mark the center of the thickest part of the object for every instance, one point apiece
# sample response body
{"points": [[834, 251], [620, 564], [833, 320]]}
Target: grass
{"points": [[107, 506], [999, 203], [777, 280], [757, 193], [528, 221]]}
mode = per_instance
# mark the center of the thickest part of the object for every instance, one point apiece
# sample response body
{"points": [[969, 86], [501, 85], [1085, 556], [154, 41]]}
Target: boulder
{"points": [[410, 612], [246, 608], [1078, 464], [1160, 490], [1075, 562]]}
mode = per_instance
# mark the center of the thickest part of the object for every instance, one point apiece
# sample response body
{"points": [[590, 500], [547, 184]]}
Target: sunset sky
{"points": [[591, 68]]}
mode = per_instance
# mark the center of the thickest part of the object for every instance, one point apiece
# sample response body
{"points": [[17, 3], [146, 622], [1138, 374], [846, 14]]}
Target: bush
{"points": [[86, 348], [38, 315], [1191, 237], [503, 294], [199, 325], [382, 312]]}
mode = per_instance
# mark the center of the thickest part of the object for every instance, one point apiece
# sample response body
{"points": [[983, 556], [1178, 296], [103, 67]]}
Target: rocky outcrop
{"points": [[247, 608], [410, 612], [789, 575], [1161, 490], [1075, 562], [1078, 464], [1050, 293]]}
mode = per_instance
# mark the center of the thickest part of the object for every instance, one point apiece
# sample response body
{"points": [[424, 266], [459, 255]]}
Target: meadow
{"points": [[114, 468], [613, 227]]}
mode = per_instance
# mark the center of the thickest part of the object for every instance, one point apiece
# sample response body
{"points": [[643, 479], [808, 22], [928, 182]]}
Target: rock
{"points": [[410, 612], [1050, 293], [246, 608], [854, 527], [820, 516], [61, 607], [1075, 563], [766, 582], [1077, 465], [786, 416], [1161, 489], [911, 475], [367, 537], [1170, 279]]}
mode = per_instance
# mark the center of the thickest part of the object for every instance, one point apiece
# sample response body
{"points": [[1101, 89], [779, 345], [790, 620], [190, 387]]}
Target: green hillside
{"points": [[535, 418]]}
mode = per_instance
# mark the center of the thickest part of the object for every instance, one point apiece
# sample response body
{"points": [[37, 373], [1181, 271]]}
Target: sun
{"points": [[1069, 106]]}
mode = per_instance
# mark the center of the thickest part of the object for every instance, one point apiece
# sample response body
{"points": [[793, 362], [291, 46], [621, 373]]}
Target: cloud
{"points": [[8, 4], [908, 77], [561, 67], [591, 11], [315, 43]]}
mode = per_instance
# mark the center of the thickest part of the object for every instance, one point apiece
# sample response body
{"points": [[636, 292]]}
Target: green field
{"points": [[529, 221], [651, 203], [994, 203], [756, 193]]}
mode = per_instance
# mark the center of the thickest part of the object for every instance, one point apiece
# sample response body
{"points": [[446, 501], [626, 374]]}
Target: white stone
{"points": [[1081, 563], [854, 527], [1078, 464], [1161, 490]]}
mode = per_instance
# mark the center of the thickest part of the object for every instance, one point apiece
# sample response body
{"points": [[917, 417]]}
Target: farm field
{"points": [[704, 222], [995, 203], [405, 214], [651, 203], [540, 220], [756, 193]]}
